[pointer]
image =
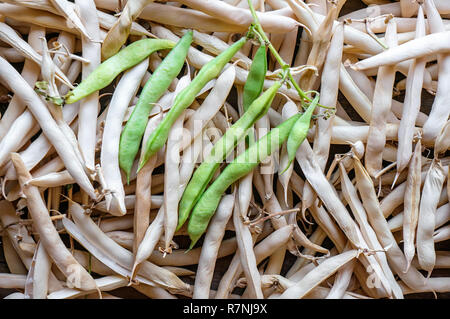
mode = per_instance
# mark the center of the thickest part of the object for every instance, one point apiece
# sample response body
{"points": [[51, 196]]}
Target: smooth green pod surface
{"points": [[185, 98], [256, 76], [300, 130], [155, 87], [106, 72], [204, 173], [241, 166]]}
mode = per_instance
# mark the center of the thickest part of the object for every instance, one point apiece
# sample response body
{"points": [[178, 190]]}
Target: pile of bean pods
{"points": [[224, 149]]}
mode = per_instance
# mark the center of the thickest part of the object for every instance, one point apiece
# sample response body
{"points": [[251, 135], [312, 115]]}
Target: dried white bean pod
{"points": [[36, 286], [412, 277], [210, 247], [48, 125], [48, 234], [441, 234], [106, 283], [247, 255], [109, 156], [432, 187], [172, 191], [325, 269], [411, 203], [30, 73], [382, 100], [130, 203], [89, 106], [8, 35], [159, 276]]}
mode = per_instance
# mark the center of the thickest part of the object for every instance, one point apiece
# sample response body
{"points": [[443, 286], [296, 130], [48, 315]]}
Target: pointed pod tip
{"points": [[395, 179], [180, 224], [287, 166], [133, 272], [141, 164], [194, 240]]}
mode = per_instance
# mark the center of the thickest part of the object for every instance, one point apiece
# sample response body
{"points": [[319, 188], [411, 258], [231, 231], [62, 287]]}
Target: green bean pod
{"points": [[106, 72], [155, 87], [299, 131], [185, 98], [204, 173], [256, 76], [238, 168]]}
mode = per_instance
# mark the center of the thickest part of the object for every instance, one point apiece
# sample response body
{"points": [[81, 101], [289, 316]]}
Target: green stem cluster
{"points": [[262, 35], [258, 30]]}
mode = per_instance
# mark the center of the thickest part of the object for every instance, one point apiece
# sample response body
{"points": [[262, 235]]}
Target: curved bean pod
{"points": [[49, 236], [318, 274], [221, 149], [185, 98], [439, 111], [119, 32], [434, 182], [155, 87], [22, 89], [108, 70], [242, 165]]}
